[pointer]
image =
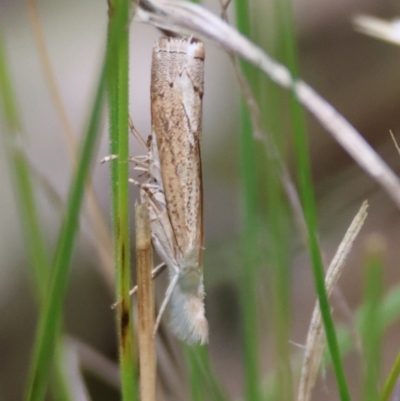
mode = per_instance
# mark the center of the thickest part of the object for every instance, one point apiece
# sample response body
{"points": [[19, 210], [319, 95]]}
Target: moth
{"points": [[173, 189]]}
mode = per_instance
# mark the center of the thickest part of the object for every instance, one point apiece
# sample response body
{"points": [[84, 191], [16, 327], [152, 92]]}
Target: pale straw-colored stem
{"points": [[144, 265], [387, 30], [315, 338]]}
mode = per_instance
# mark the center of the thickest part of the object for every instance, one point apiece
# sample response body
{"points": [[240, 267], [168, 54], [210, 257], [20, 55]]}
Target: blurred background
{"points": [[357, 74]]}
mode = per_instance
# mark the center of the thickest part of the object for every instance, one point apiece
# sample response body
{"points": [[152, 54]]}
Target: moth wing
{"points": [[177, 90]]}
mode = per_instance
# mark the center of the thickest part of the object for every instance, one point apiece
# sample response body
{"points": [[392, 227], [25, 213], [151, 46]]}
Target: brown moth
{"points": [[174, 187]]}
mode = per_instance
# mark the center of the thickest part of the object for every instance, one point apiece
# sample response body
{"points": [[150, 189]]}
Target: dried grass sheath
{"points": [[144, 261]]}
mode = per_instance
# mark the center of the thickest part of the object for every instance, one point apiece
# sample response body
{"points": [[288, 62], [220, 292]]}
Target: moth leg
{"points": [[145, 186], [108, 158], [151, 190], [140, 160], [136, 134], [141, 163], [154, 274], [131, 159], [164, 304]]}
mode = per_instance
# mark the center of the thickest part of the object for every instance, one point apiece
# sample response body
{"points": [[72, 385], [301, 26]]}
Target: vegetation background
{"points": [[357, 74]]}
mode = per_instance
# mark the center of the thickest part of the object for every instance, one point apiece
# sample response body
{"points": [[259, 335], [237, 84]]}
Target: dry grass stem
{"points": [[154, 274], [378, 28], [315, 338], [144, 263], [188, 18], [395, 142]]}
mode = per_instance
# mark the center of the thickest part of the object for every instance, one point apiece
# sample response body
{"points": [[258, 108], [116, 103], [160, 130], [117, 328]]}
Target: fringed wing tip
{"points": [[188, 321]]}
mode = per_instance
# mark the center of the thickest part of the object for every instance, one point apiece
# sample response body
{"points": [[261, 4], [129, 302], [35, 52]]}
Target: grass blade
{"points": [[203, 382], [273, 103], [101, 236], [117, 77], [370, 328], [389, 314], [51, 311], [24, 191], [391, 380], [195, 377], [309, 207], [27, 205], [249, 180], [315, 343]]}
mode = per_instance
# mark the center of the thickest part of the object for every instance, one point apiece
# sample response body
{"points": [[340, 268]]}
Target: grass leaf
{"points": [[118, 89], [52, 308]]}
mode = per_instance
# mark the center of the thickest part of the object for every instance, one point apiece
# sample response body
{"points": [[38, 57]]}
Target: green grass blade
{"points": [[309, 207], [7, 94], [272, 103], [51, 311], [26, 201], [390, 309], [30, 221], [306, 187], [203, 382], [249, 269], [391, 380], [249, 266], [214, 387], [370, 328], [60, 387], [195, 376], [278, 251], [389, 314], [22, 180], [307, 195], [118, 88]]}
